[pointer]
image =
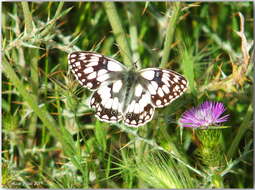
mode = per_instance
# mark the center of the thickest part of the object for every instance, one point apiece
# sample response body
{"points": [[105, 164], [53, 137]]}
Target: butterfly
{"points": [[125, 94]]}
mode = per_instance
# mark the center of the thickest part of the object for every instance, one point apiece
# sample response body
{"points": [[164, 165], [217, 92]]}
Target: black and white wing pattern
{"points": [[140, 110], [102, 75], [155, 88], [122, 94], [106, 102], [163, 85], [92, 69]]}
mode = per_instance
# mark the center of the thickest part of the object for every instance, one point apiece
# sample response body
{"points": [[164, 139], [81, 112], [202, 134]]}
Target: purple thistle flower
{"points": [[206, 114]]}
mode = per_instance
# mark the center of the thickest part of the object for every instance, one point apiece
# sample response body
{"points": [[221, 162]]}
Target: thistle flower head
{"points": [[207, 114]]}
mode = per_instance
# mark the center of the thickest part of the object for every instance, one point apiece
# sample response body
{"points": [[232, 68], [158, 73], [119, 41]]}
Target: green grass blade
{"points": [[187, 61], [133, 34], [240, 133], [31, 100], [170, 33], [118, 31], [59, 13], [100, 133], [28, 17], [62, 135]]}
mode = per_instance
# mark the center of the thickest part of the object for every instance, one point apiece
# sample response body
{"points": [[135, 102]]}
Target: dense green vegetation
{"points": [[51, 138]]}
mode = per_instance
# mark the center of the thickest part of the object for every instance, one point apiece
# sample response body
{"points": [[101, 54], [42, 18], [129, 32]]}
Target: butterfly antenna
{"points": [[125, 52], [135, 64]]}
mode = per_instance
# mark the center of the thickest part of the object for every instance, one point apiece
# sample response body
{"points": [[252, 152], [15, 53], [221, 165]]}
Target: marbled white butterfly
{"points": [[123, 94]]}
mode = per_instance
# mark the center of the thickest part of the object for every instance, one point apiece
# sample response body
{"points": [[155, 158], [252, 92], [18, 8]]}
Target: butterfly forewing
{"points": [[92, 69], [163, 85]]}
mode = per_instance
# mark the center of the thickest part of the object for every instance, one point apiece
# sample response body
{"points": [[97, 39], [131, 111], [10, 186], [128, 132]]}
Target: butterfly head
{"points": [[134, 66]]}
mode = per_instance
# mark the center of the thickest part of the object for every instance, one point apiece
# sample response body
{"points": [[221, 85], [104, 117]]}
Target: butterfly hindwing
{"points": [[107, 103], [163, 85], [92, 69], [140, 110]]}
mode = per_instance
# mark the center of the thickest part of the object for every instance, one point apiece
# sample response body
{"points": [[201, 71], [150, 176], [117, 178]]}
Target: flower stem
{"points": [[210, 150], [217, 181]]}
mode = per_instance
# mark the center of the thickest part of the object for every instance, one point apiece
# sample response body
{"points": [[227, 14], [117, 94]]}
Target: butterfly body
{"points": [[123, 94], [130, 79]]}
